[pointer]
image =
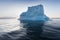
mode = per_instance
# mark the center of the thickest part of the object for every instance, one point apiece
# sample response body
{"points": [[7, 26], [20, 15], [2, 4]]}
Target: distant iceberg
{"points": [[34, 13]]}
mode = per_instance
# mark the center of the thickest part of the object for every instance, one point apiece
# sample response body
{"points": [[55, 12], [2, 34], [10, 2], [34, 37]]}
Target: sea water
{"points": [[13, 29]]}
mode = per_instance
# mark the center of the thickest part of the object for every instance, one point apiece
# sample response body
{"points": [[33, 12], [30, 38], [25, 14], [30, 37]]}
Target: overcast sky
{"points": [[13, 8]]}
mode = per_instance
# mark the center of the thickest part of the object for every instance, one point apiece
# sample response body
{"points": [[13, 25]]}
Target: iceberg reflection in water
{"points": [[33, 31], [42, 30]]}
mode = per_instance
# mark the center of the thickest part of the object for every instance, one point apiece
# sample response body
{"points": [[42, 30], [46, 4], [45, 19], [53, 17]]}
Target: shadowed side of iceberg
{"points": [[34, 13]]}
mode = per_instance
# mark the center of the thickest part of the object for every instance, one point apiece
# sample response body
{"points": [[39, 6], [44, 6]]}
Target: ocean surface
{"points": [[13, 29]]}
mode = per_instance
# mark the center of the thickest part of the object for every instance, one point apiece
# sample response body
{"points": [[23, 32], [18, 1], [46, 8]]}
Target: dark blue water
{"points": [[13, 29]]}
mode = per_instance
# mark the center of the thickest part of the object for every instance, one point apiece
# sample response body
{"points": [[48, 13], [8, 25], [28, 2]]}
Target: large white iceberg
{"points": [[34, 13]]}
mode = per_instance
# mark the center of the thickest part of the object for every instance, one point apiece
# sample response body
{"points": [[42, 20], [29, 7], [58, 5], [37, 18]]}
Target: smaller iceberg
{"points": [[34, 13]]}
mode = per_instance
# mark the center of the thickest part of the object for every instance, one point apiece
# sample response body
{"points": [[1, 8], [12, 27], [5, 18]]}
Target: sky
{"points": [[14, 8]]}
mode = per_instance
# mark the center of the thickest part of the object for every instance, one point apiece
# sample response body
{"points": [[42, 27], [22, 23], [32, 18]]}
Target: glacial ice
{"points": [[34, 13]]}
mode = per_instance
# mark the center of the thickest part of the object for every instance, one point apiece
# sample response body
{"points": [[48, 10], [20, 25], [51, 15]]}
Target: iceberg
{"points": [[34, 13]]}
